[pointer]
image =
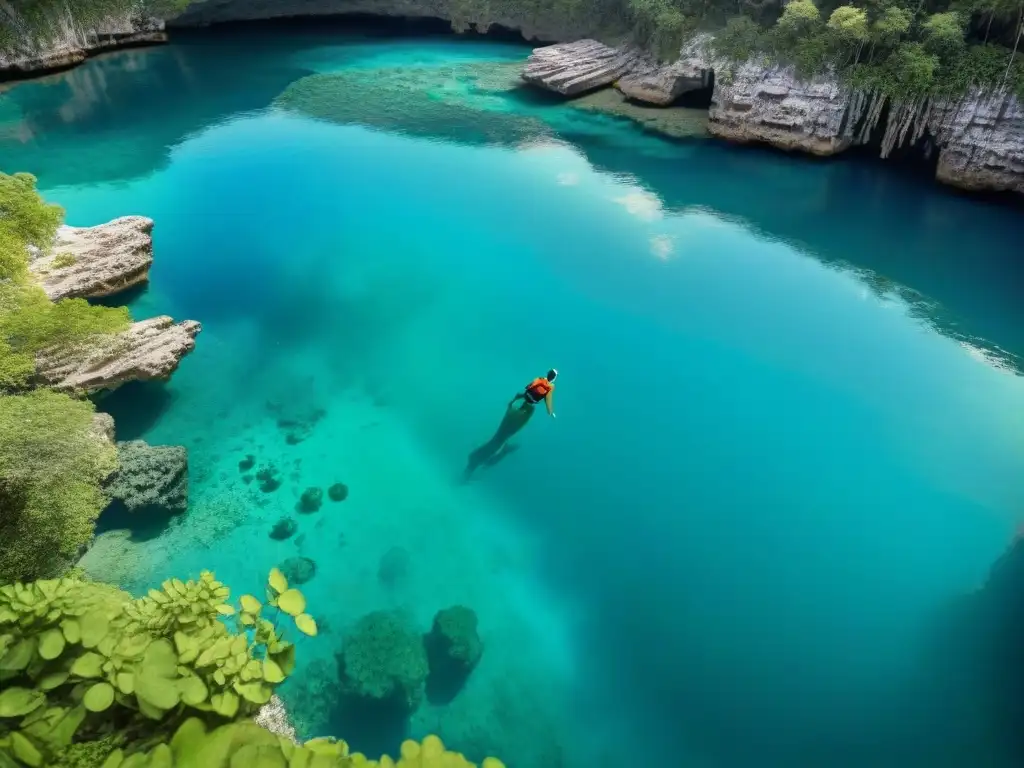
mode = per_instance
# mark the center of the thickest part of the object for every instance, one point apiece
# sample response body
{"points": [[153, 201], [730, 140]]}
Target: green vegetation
{"points": [[51, 460], [905, 49], [87, 671]]}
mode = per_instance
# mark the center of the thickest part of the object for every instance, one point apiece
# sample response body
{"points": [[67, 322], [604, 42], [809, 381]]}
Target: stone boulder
{"points": [[453, 650], [94, 262], [982, 138], [575, 68], [662, 85], [149, 350], [150, 478], [383, 665]]}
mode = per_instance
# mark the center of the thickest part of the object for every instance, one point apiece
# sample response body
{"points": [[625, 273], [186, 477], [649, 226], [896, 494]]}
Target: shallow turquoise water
{"points": [[789, 418]]}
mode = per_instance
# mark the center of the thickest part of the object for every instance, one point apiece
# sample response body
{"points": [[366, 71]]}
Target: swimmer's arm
{"points": [[549, 402]]}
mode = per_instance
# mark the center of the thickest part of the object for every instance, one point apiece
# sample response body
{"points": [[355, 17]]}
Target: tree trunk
{"points": [[1016, 43]]}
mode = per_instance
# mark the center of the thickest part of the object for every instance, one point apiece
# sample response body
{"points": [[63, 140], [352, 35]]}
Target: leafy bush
{"points": [[51, 465], [80, 661]]}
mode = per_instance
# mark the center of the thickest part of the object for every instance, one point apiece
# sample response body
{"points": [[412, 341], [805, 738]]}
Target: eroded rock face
{"points": [[148, 350], [150, 478], [662, 85], [67, 51], [574, 68], [770, 105], [93, 262], [982, 142]]}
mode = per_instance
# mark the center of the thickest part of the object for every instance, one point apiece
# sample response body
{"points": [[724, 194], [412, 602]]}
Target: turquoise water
{"points": [[790, 421]]}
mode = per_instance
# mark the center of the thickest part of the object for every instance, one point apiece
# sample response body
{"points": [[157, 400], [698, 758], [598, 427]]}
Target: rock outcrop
{"points": [[94, 262], [67, 46], [148, 350], [575, 68], [982, 140], [661, 85], [453, 650], [151, 479], [758, 102]]}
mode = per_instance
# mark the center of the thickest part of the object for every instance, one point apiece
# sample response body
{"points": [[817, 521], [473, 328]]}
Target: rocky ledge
{"points": [[50, 56], [575, 68], [980, 138], [94, 262], [149, 350]]}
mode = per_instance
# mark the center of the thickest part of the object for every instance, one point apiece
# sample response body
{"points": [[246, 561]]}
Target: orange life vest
{"points": [[538, 389]]}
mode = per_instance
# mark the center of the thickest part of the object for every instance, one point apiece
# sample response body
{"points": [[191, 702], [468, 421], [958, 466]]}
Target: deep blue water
{"points": [[790, 422]]}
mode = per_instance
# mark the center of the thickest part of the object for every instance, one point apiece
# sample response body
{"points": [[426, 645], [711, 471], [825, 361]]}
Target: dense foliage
{"points": [[92, 678], [82, 662], [51, 460], [902, 48]]}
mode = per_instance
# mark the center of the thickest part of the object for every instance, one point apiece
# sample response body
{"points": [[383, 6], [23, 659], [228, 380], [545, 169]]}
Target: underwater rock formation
{"points": [[578, 67], [383, 664], [67, 44], [247, 463], [338, 492], [311, 500], [283, 529], [149, 350], [274, 717], [150, 478], [269, 479], [93, 262], [298, 570], [453, 650]]}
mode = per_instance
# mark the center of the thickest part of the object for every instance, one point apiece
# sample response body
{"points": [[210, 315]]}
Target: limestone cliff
{"points": [[65, 44], [94, 262]]}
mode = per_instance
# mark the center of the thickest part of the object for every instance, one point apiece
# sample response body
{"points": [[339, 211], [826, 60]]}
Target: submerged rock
{"points": [[453, 650], [149, 350], [383, 664], [150, 478], [311, 500], [338, 492], [269, 479], [93, 262], [298, 570], [283, 529], [578, 67], [247, 463], [274, 717]]}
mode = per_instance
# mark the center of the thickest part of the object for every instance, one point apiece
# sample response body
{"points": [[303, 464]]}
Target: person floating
{"points": [[498, 447], [538, 390]]}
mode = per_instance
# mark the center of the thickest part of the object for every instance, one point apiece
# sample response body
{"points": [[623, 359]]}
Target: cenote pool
{"points": [[790, 422]]}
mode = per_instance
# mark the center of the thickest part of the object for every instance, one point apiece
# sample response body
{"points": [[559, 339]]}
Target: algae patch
{"points": [[677, 122], [461, 102]]}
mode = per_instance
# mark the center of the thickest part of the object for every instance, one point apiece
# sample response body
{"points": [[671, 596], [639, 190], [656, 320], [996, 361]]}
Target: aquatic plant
{"points": [[79, 660], [383, 662]]}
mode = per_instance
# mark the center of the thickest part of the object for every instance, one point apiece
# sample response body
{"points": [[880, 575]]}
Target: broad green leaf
{"points": [[306, 624], [225, 610], [277, 581], [99, 697], [285, 658], [272, 673], [256, 692], [193, 690], [88, 665], [161, 757], [95, 626], [72, 630], [250, 604], [126, 683], [225, 703], [52, 680], [18, 655], [51, 644], [25, 750], [114, 760], [159, 596], [292, 602], [63, 731], [18, 702]]}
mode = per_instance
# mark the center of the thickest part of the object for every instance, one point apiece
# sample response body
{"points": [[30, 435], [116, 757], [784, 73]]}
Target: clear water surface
{"points": [[790, 421]]}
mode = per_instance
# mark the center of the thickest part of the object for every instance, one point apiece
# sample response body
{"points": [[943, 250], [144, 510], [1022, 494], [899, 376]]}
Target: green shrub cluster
{"points": [[51, 460], [82, 664]]}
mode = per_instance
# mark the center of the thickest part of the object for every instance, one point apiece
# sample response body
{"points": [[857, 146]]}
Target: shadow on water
{"points": [[143, 524], [136, 407]]}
